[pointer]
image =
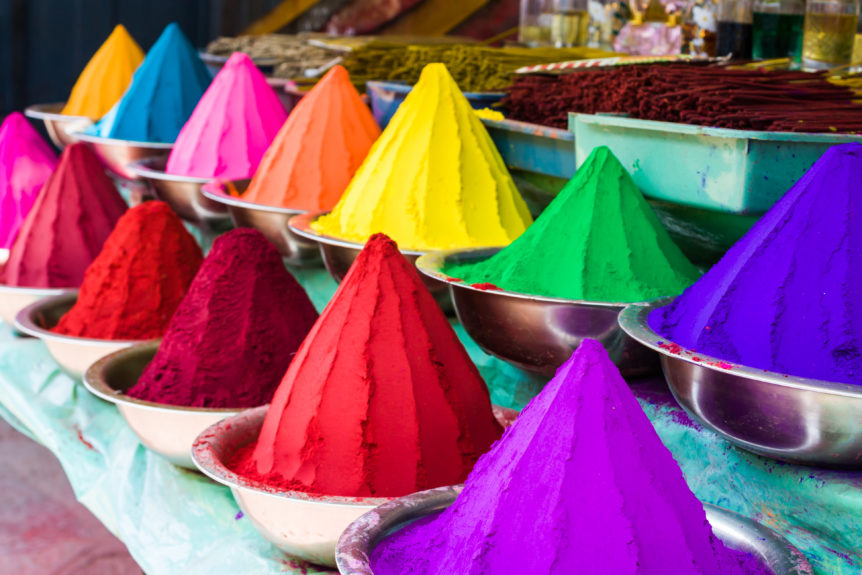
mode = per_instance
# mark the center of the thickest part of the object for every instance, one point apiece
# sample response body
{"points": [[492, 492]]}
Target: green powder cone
{"points": [[597, 241]]}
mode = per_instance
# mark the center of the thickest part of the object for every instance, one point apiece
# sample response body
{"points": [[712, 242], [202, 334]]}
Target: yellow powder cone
{"points": [[106, 76], [433, 180]]}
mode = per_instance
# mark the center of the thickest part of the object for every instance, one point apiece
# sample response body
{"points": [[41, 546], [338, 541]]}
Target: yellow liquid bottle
{"points": [[829, 33]]}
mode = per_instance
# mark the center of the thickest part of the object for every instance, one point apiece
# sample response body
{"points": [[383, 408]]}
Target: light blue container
{"points": [[385, 98]]}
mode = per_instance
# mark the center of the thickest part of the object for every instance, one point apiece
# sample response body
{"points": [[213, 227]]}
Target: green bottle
{"points": [[777, 29]]}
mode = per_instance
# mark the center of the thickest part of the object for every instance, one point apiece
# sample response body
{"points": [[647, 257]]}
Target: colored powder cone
{"points": [[785, 297], [231, 127], [598, 241], [433, 180], [580, 483], [164, 91], [72, 217], [135, 285], [381, 398], [106, 76], [319, 148], [26, 162], [235, 332]]}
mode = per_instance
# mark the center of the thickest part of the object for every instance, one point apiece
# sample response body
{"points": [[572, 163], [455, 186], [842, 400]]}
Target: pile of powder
{"points": [[231, 127], [163, 93], [26, 162], [434, 179], [381, 399], [319, 148], [72, 217], [106, 76], [597, 241], [580, 483], [135, 285], [235, 332], [785, 297]]}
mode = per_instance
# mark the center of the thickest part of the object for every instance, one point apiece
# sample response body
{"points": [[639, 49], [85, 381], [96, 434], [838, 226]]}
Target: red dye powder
{"points": [[235, 332], [72, 217], [133, 287], [486, 286], [381, 400]]}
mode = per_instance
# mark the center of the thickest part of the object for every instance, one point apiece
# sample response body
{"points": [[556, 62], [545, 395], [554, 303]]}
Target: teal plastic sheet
{"points": [[177, 521]]}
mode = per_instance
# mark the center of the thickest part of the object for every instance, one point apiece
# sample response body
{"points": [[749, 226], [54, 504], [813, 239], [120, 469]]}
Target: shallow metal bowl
{"points": [[13, 299], [269, 220], [534, 333], [119, 155], [736, 532], [58, 125], [74, 354], [788, 418]]}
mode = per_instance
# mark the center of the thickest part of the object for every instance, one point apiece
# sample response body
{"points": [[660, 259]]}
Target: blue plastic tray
{"points": [[385, 98]]}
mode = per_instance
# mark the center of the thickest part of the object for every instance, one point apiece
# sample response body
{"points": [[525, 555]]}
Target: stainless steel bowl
{"points": [[736, 532], [13, 299], [788, 418], [268, 220], [534, 333], [169, 430], [119, 155], [58, 125]]}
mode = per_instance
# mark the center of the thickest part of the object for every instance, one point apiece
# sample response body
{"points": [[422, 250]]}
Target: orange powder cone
{"points": [[319, 148]]}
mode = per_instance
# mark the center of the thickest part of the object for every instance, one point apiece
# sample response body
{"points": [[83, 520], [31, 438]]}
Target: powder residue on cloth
{"points": [[381, 399], [319, 148], [598, 240], [163, 93], [231, 127], [785, 297], [71, 218], [433, 180], [580, 483], [135, 285], [235, 332], [26, 162], [106, 76]]}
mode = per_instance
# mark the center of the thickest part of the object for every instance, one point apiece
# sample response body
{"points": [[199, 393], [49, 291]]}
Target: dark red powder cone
{"points": [[381, 398], [72, 217], [235, 332], [133, 287]]}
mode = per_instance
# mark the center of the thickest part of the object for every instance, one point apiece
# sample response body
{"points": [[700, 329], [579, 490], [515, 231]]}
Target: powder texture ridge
{"points": [[319, 148], [106, 76], [69, 222], [235, 332], [136, 283], [580, 483], [784, 297], [598, 240], [433, 180], [381, 399], [26, 162], [231, 127], [164, 91]]}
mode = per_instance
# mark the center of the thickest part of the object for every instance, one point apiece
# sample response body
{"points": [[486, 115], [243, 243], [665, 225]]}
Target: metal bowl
{"points": [[74, 354], [13, 299], [734, 530], [779, 416], [301, 524], [268, 220], [58, 125], [534, 333], [169, 430], [119, 155]]}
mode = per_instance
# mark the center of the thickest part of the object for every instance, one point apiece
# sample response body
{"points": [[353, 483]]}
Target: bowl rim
{"points": [[214, 190], [301, 225], [38, 292], [148, 168], [102, 140], [43, 112]]}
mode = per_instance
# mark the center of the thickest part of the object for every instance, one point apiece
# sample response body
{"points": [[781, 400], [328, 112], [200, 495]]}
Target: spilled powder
{"points": [[598, 241], [133, 287], [433, 180], [319, 148], [580, 483], [235, 332], [785, 297], [381, 399], [71, 218]]}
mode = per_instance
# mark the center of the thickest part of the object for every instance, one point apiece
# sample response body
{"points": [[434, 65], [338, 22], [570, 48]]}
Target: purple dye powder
{"points": [[580, 483], [785, 297]]}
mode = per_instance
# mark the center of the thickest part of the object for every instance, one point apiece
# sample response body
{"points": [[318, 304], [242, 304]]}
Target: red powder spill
{"points": [[381, 400], [671, 347], [486, 287], [235, 332], [82, 440], [134, 286]]}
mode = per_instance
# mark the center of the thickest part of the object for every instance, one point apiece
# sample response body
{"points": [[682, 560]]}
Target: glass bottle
{"points": [[829, 33], [534, 26], [569, 23], [699, 28], [734, 29], [777, 29]]}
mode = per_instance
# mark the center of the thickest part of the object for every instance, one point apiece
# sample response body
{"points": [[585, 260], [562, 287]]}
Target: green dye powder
{"points": [[597, 241]]}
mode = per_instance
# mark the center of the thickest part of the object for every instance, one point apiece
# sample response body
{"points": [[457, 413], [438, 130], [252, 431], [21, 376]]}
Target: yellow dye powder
{"points": [[106, 76], [433, 180], [489, 114]]}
